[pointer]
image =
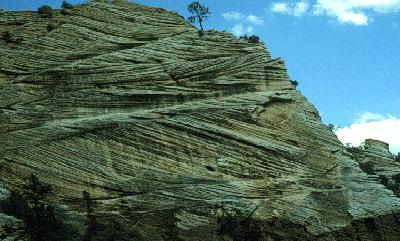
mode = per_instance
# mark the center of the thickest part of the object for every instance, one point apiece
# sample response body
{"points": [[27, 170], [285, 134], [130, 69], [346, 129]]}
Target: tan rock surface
{"points": [[132, 105]]}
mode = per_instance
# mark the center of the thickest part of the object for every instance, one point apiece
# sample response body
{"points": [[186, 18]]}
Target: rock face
{"points": [[132, 105]]}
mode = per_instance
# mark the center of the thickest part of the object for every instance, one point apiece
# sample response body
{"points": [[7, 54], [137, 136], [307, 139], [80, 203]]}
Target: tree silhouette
{"points": [[199, 13], [91, 218]]}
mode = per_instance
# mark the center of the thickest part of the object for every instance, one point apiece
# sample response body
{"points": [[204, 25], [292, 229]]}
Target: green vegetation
{"points": [[239, 228], [50, 27], [105, 228], [9, 38], [28, 204], [392, 183], [254, 39], [46, 11], [199, 12], [201, 33], [91, 218], [170, 228], [251, 39], [67, 5], [368, 167], [245, 37], [333, 127], [294, 82], [353, 150]]}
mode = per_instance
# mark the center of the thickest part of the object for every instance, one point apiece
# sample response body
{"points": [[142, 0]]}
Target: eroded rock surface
{"points": [[132, 105]]}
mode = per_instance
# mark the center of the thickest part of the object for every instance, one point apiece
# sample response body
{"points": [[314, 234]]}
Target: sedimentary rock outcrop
{"points": [[131, 104]]}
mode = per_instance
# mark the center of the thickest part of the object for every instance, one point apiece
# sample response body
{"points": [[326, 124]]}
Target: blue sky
{"points": [[344, 53]]}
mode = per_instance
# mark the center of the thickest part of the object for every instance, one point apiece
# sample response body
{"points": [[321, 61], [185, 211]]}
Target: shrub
{"points": [[105, 228], [170, 227], [397, 157], [245, 37], [393, 184], [91, 218], [28, 204], [384, 180], [294, 82], [7, 37], [50, 27], [200, 33], [254, 39], [367, 167], [353, 150], [239, 228], [396, 179], [67, 5], [15, 205], [46, 11], [332, 127], [110, 229]]}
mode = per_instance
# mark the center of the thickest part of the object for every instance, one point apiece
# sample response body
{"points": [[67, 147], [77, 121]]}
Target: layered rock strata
{"points": [[131, 104]]}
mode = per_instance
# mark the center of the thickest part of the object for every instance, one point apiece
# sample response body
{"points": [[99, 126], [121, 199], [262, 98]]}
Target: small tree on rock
{"points": [[66, 5], [91, 218], [46, 11], [199, 12]]}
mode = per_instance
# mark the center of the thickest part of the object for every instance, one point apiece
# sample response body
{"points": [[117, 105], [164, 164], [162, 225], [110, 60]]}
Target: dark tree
{"points": [[239, 228], [8, 37], [397, 157], [170, 227], [91, 218], [254, 39], [45, 11], [35, 191], [66, 5], [199, 13], [245, 37], [294, 82], [28, 204]]}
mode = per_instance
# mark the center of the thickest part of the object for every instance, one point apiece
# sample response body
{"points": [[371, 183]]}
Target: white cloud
{"points": [[354, 11], [298, 9], [233, 16], [375, 126], [245, 24], [254, 20], [238, 29], [280, 7]]}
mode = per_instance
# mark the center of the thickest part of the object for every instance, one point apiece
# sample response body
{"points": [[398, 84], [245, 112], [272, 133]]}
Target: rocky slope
{"points": [[131, 104]]}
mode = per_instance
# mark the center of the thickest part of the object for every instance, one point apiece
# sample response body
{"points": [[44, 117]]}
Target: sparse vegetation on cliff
{"points": [[239, 227], [28, 204], [45, 11], [91, 218], [199, 12], [170, 228], [392, 183], [67, 5], [251, 39], [9, 38], [254, 39], [368, 167], [397, 157]]}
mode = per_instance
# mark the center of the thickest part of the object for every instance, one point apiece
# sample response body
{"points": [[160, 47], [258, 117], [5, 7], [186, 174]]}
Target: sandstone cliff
{"points": [[131, 104]]}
